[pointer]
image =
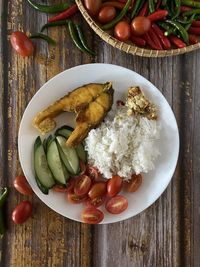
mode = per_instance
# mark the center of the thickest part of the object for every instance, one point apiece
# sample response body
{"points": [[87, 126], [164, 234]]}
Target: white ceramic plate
{"points": [[155, 181]]}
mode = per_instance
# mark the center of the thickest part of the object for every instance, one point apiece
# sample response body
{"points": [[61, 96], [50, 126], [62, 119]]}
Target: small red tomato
{"points": [[70, 186], [140, 25], [92, 216], [114, 186], [21, 185], [60, 189], [106, 14], [94, 173], [96, 202], [122, 31], [22, 212], [98, 189], [82, 185], [74, 199], [116, 204], [92, 6], [22, 44], [133, 184]]}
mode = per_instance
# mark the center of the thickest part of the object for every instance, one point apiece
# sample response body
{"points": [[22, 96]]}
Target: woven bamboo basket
{"points": [[131, 48]]}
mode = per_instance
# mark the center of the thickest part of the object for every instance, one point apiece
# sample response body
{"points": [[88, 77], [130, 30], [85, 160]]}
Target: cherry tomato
{"points": [[70, 186], [60, 189], [92, 6], [140, 25], [21, 185], [94, 173], [114, 186], [96, 202], [74, 199], [116, 204], [134, 183], [98, 189], [92, 215], [22, 44], [82, 185], [22, 212], [82, 167], [122, 31], [106, 14]]}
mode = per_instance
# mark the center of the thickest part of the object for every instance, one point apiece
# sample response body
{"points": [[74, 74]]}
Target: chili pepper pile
{"points": [[156, 24]]}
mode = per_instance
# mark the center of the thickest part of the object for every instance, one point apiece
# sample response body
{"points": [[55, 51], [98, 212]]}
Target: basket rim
{"points": [[131, 48]]}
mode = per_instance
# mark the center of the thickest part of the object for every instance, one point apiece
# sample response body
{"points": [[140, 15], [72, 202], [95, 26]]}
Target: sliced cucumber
{"points": [[45, 145], [48, 141], [44, 176], [42, 188], [55, 164], [65, 159], [64, 131], [70, 155], [81, 152]]}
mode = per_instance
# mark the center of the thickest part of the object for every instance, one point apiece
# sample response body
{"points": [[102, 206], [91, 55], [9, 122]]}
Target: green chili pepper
{"points": [[137, 6], [75, 38], [186, 20], [45, 37], [191, 12], [54, 24], [83, 41], [3, 196], [168, 28], [190, 3], [177, 9], [118, 17], [151, 6], [49, 9], [180, 29]]}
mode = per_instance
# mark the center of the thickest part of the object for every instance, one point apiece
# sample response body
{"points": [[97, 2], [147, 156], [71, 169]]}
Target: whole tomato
{"points": [[92, 6], [22, 212], [22, 44]]}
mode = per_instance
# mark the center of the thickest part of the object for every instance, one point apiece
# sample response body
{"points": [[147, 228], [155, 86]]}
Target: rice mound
{"points": [[123, 145]]}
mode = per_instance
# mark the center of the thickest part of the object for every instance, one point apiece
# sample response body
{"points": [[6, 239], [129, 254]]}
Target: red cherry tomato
{"points": [[60, 189], [82, 185], [106, 14], [22, 44], [114, 186], [140, 25], [82, 167], [98, 189], [22, 212], [94, 173], [74, 199], [133, 184], [96, 202], [70, 186], [92, 216], [92, 6], [122, 31], [21, 185], [117, 204]]}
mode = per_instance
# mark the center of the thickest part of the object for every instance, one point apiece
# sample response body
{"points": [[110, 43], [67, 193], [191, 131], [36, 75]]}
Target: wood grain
{"points": [[167, 233]]}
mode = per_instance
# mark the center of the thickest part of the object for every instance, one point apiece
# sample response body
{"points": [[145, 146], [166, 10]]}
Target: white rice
{"points": [[123, 145]]}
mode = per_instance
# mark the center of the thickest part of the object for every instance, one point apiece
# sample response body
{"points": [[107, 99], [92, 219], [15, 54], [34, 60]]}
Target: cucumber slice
{"points": [[41, 187], [65, 159], [49, 139], [44, 176], [64, 131], [55, 164], [70, 155], [45, 145], [82, 154]]}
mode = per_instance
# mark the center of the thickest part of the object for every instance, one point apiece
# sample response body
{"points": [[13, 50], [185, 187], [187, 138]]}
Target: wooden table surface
{"points": [[167, 233]]}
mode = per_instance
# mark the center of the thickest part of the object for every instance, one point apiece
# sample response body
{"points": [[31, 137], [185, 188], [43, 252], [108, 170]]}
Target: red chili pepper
{"points": [[165, 41], [138, 41], [65, 14], [144, 10], [158, 15], [150, 42], [185, 8], [193, 39], [196, 23], [194, 30], [178, 42], [155, 39]]}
